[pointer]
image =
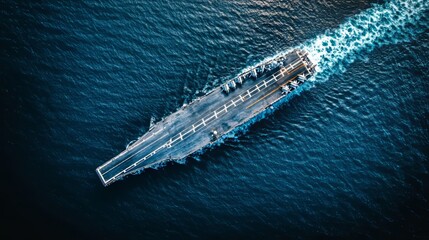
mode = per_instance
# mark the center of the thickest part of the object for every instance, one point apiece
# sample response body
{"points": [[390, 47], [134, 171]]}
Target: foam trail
{"points": [[394, 22]]}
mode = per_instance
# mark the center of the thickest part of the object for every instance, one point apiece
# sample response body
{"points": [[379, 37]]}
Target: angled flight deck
{"points": [[209, 117]]}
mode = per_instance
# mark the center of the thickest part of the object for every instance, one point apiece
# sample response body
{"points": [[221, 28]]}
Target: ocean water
{"points": [[347, 157]]}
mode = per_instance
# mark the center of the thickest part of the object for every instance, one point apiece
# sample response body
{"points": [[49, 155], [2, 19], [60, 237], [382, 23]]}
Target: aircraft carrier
{"points": [[211, 116]]}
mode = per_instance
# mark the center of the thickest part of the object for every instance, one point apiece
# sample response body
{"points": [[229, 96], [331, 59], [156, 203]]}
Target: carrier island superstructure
{"points": [[208, 118]]}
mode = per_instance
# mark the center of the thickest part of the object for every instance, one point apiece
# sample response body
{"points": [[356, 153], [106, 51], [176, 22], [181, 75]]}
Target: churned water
{"points": [[347, 157]]}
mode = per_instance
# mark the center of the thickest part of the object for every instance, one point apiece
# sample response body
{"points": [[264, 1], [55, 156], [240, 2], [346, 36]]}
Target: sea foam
{"points": [[394, 22]]}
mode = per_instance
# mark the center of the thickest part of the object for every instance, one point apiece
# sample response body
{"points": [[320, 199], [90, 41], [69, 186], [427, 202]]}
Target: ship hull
{"points": [[211, 116]]}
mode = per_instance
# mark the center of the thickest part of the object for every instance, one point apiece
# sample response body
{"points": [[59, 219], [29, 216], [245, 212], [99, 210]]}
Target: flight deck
{"points": [[209, 117]]}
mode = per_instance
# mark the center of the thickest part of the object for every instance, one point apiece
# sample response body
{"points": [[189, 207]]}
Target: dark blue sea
{"points": [[346, 158]]}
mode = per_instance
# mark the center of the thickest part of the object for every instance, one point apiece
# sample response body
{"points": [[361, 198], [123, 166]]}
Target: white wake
{"points": [[394, 22]]}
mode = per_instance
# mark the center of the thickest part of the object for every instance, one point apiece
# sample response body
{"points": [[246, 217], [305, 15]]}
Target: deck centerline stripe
{"points": [[268, 94]]}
